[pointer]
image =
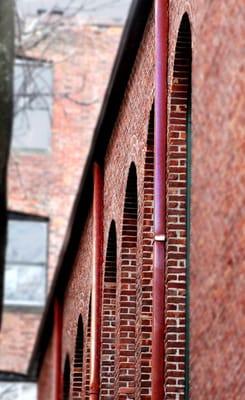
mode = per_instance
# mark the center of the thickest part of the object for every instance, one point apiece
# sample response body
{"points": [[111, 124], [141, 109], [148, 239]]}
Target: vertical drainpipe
{"points": [[96, 282], [57, 347], [158, 330]]}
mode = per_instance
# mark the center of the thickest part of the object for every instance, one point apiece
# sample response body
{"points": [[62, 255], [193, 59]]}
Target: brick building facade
{"points": [[98, 335], [44, 184]]}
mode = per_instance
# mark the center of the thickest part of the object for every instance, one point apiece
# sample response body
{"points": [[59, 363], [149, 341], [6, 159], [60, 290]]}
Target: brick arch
{"points": [[147, 264], [178, 200], [108, 317], [78, 361], [66, 379], [88, 352], [125, 368]]}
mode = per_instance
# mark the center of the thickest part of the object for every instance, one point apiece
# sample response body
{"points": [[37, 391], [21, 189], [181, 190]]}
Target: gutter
{"points": [[159, 256]]}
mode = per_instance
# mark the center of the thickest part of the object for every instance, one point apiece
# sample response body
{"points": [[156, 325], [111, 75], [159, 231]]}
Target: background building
{"points": [[59, 87]]}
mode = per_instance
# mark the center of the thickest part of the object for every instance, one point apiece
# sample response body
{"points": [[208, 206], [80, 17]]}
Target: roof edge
{"points": [[10, 376]]}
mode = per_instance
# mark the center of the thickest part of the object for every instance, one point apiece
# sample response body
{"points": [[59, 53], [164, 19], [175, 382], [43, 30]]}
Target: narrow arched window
{"points": [[178, 214], [78, 361], [108, 318], [127, 312], [88, 353], [66, 379], [147, 263]]}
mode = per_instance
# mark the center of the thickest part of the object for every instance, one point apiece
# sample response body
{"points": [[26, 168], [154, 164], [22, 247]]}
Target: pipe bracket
{"points": [[160, 238]]}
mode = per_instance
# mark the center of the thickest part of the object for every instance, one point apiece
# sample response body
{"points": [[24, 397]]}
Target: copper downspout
{"points": [[57, 348], [158, 330], [96, 282]]}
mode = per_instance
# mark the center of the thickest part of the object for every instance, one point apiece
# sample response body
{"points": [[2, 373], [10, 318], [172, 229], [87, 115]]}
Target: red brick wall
{"points": [[141, 338], [217, 212], [16, 339], [131, 137]]}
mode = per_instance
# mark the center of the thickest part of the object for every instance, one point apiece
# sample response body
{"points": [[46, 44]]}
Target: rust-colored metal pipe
{"points": [[96, 282], [58, 315], [158, 330]]}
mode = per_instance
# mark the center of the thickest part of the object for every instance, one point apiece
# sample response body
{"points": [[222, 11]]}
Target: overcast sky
{"points": [[97, 10]]}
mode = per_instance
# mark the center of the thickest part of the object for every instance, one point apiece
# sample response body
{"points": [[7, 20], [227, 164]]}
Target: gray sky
{"points": [[96, 10]]}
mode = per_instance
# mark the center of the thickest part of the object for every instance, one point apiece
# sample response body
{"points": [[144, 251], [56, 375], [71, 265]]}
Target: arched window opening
{"points": [[88, 352], [78, 361], [66, 379], [108, 318], [178, 213], [147, 263], [128, 288]]}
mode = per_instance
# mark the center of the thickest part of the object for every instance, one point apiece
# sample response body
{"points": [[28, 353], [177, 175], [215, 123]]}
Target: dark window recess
{"points": [[66, 379], [33, 86], [78, 361], [109, 318], [127, 313], [41, 11], [87, 355], [26, 259]]}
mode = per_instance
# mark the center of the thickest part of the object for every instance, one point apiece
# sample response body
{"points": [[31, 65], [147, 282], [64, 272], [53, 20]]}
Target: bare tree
{"points": [[41, 32]]}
